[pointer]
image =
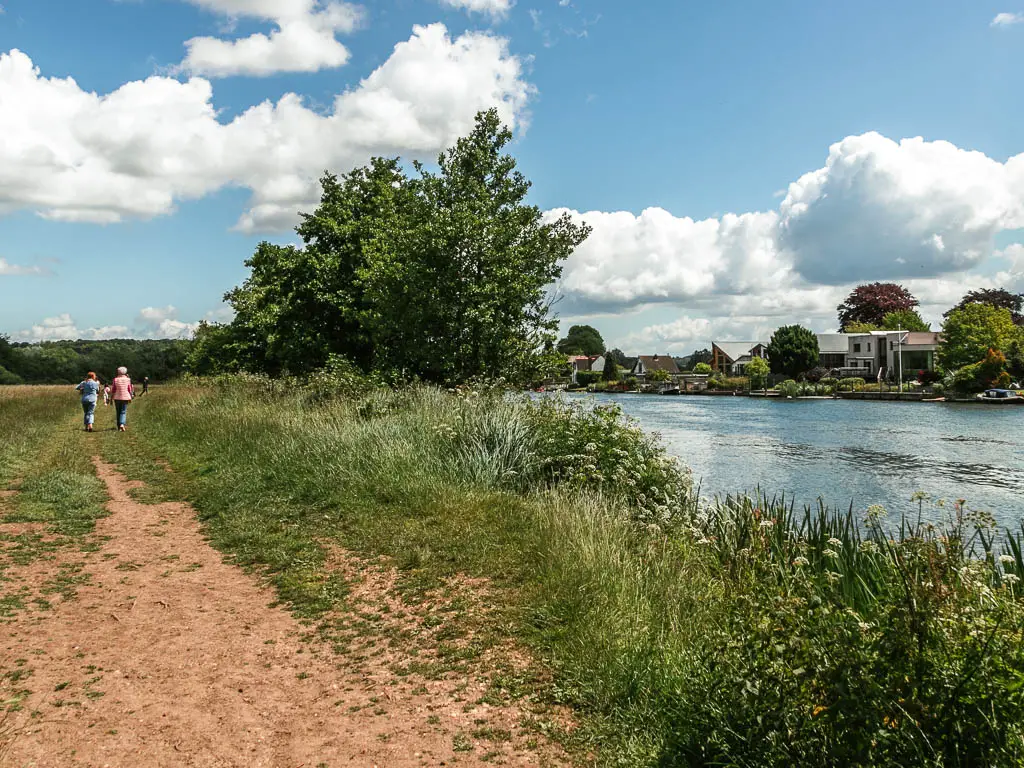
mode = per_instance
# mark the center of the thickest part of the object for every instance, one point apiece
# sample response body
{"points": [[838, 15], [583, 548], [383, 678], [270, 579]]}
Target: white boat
{"points": [[1000, 397]]}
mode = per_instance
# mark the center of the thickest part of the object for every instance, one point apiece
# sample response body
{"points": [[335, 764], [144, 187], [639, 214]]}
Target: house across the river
{"points": [[873, 355], [877, 354], [730, 358], [647, 363]]}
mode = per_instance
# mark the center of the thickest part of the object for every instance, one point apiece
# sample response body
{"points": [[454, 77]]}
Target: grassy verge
{"points": [[735, 634]]}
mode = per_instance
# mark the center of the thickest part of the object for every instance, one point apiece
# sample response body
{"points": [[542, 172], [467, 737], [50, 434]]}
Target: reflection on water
{"points": [[843, 451]]}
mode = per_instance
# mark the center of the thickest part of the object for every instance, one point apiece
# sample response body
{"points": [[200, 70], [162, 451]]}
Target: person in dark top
{"points": [[145, 385]]}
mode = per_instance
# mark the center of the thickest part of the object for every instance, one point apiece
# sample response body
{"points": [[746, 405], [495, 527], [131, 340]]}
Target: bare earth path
{"points": [[168, 656]]}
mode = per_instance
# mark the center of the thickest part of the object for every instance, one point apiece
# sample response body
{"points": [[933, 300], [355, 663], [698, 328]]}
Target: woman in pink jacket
{"points": [[122, 392]]}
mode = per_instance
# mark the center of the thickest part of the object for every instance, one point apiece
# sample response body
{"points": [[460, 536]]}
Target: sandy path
{"points": [[168, 656]]}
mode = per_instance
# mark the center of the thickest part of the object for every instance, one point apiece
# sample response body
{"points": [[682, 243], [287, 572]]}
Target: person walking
{"points": [[90, 389], [145, 385], [122, 391]]}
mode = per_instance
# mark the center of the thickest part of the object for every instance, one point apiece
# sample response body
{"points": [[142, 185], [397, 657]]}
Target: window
{"points": [[856, 347], [869, 346]]}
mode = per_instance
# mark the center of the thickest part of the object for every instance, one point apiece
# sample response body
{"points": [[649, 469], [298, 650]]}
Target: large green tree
{"points": [[971, 331], [757, 370], [904, 320], [869, 304], [793, 350], [582, 340], [438, 275], [996, 297]]}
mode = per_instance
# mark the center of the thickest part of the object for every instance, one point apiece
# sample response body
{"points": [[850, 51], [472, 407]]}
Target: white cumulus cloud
{"points": [[1007, 19], [73, 155], [658, 257], [496, 9], [304, 38], [904, 209], [163, 323], [6, 268], [64, 327], [150, 323], [912, 211]]}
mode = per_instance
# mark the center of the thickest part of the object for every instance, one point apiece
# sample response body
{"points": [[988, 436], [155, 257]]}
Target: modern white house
{"points": [[878, 354]]}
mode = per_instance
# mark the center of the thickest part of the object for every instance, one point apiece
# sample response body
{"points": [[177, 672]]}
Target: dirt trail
{"points": [[168, 656]]}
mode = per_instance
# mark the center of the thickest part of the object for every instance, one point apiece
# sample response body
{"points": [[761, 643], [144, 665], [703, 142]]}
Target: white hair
{"points": [[122, 371]]}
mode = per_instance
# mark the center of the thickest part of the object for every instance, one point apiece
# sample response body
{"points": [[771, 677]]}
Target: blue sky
{"points": [[682, 131]]}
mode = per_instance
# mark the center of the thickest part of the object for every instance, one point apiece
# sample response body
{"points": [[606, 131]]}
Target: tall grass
{"points": [[737, 632]]}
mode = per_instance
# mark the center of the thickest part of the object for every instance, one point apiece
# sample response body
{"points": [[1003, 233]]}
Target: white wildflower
{"points": [[800, 562], [1011, 578], [834, 542], [830, 553], [1007, 560], [766, 524]]}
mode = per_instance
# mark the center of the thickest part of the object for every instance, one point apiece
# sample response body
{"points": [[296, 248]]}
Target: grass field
{"points": [[740, 634]]}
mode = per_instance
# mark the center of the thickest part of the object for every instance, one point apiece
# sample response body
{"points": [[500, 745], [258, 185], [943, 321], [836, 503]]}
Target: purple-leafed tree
{"points": [[872, 302]]}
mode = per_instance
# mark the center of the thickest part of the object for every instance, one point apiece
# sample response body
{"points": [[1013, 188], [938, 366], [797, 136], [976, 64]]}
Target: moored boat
{"points": [[1001, 397]]}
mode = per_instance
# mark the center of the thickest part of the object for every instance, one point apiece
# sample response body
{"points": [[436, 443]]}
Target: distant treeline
{"points": [[67, 362]]}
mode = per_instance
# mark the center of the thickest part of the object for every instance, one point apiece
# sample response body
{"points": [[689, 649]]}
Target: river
{"points": [[844, 450]]}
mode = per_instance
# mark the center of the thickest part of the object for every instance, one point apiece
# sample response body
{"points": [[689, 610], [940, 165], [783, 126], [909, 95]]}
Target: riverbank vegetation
{"points": [[728, 632]]}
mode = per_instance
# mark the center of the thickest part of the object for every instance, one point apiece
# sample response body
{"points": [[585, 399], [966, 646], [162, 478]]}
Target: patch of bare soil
{"points": [[159, 653]]}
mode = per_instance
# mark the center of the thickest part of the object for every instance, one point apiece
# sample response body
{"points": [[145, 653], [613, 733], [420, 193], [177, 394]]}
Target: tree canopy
{"points": [[611, 369], [67, 362], [999, 298], [872, 302], [970, 332], [582, 340], [757, 370], [904, 320], [793, 350], [438, 275]]}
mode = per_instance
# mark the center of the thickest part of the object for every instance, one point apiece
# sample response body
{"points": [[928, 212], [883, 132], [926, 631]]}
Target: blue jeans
{"points": [[89, 406], [121, 407]]}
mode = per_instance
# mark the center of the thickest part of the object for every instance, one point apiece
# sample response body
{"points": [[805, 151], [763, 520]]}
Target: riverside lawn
{"points": [[731, 632]]}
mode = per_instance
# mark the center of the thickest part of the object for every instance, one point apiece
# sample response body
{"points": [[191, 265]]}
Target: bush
{"points": [[828, 381], [731, 383], [583, 446], [586, 378], [788, 388], [816, 374], [928, 377], [851, 384], [6, 377], [703, 368]]}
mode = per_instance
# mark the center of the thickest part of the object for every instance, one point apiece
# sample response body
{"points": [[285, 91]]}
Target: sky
{"points": [[743, 164]]}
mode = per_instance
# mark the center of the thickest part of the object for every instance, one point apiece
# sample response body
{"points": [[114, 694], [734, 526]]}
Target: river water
{"points": [[843, 450]]}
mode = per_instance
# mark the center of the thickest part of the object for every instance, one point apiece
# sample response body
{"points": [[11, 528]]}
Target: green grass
{"points": [[46, 458], [742, 633]]}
